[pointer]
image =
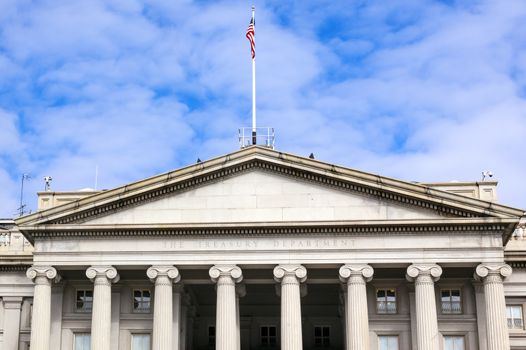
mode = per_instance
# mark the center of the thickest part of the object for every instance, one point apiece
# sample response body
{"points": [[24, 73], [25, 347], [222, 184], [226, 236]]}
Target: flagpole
{"points": [[254, 83]]}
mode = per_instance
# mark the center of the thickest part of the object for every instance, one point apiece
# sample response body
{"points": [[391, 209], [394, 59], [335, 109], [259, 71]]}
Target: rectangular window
{"points": [[450, 299], [84, 300], [322, 336], [386, 301], [212, 336], [269, 336], [514, 316], [388, 342], [141, 300], [82, 341], [453, 342], [140, 342]]}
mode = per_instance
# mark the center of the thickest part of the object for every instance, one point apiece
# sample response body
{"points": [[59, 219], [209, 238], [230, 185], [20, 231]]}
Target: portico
{"points": [[261, 248]]}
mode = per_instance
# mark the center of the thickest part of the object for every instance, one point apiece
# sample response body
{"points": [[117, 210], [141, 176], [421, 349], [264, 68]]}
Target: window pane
{"points": [[82, 341], [388, 342], [140, 342], [272, 331], [326, 331], [453, 343], [517, 312], [380, 293]]}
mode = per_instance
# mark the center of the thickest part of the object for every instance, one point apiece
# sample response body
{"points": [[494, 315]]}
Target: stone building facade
{"points": [[261, 249]]}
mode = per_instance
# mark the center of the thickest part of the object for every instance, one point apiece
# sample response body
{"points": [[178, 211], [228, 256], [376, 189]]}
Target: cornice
{"points": [[318, 172], [403, 227]]}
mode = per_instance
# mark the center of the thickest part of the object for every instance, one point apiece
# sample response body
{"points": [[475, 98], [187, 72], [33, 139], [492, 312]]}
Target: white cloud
{"points": [[414, 89]]}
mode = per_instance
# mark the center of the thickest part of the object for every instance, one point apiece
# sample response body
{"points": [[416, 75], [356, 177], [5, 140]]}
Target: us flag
{"points": [[251, 37]]}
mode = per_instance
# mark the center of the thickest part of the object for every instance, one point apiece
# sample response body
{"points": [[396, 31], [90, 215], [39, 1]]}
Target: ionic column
{"points": [[492, 276], [163, 318], [425, 276], [102, 278], [357, 321], [42, 276], [226, 277], [290, 277]]}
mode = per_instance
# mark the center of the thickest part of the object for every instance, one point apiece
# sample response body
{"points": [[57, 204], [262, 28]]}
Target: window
{"points": [[386, 301], [514, 316], [269, 336], [82, 341], [451, 301], [212, 336], [84, 300], [453, 342], [322, 336], [140, 342], [141, 300], [387, 342]]}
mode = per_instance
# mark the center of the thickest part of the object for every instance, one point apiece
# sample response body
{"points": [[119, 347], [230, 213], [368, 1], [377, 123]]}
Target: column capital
{"points": [[348, 270], [108, 272], [232, 271], [414, 271], [49, 272], [297, 271], [168, 271], [498, 270]]}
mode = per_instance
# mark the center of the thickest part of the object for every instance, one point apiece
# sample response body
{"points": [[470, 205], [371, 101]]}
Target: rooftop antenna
{"points": [[486, 174], [22, 207], [47, 183]]}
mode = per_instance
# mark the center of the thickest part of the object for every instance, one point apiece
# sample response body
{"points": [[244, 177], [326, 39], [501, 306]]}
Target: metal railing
{"points": [[264, 137], [515, 323]]}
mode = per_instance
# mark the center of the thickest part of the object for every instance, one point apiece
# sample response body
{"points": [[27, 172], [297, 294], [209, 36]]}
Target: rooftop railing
{"points": [[264, 137], [14, 242]]}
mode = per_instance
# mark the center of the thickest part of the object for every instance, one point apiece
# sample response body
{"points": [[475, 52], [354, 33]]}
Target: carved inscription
{"points": [[258, 244]]}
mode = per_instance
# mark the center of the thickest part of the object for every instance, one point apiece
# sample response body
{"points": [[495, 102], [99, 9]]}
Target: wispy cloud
{"points": [[421, 90]]}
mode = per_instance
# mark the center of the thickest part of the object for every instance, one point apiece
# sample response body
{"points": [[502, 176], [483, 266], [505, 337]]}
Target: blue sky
{"points": [[418, 90]]}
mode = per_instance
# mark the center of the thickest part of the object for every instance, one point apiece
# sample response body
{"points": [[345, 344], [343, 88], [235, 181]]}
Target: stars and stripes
{"points": [[251, 37]]}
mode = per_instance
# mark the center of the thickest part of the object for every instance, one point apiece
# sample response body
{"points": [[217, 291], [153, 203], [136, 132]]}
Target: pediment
{"points": [[259, 196], [261, 185]]}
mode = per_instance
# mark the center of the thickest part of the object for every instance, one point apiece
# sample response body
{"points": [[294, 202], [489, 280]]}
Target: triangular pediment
{"points": [[260, 196], [261, 185]]}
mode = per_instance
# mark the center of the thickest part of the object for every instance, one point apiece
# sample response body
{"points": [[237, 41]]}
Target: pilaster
{"points": [[290, 277], [226, 277], [424, 276], [12, 308], [102, 278], [492, 276], [357, 321]]}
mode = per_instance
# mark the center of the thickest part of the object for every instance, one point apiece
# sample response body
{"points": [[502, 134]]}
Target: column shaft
{"points": [[102, 278], [163, 313], [496, 328], [41, 316], [291, 331], [290, 277], [424, 277], [226, 278], [426, 315], [226, 332], [101, 314], [356, 314]]}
